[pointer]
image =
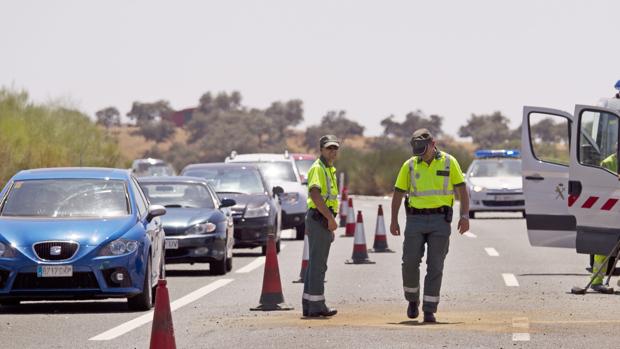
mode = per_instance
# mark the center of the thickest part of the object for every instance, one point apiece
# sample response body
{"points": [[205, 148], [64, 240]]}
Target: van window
{"points": [[549, 136], [598, 140]]}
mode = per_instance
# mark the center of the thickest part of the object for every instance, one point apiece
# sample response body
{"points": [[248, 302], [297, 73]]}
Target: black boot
{"points": [[429, 317], [324, 312], [412, 310]]}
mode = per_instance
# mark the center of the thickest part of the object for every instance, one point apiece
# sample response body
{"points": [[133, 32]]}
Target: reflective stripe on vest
{"points": [[413, 189], [328, 180]]}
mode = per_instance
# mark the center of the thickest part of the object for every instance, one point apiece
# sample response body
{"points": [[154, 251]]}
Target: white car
{"points": [[280, 170], [494, 182]]}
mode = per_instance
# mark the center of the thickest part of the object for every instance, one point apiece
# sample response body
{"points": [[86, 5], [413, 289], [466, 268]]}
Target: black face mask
{"points": [[419, 147]]}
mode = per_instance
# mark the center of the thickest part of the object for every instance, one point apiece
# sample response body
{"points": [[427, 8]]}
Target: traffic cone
{"points": [[344, 201], [304, 261], [360, 253], [350, 227], [271, 297], [162, 333], [380, 244]]}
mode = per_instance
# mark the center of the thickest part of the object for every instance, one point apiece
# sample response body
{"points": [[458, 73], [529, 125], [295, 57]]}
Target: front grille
{"points": [[505, 193], [4, 276], [44, 250], [180, 252], [503, 203], [79, 280]]}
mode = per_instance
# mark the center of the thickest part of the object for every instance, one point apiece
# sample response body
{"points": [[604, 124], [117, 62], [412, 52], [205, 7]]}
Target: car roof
{"points": [[219, 165], [73, 173], [300, 156], [171, 179], [259, 157]]}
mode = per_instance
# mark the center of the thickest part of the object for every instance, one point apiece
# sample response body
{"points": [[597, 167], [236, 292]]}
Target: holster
{"points": [[317, 216], [448, 214]]}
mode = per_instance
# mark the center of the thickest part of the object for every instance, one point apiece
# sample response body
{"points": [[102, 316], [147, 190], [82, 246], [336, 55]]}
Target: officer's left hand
{"points": [[463, 225]]}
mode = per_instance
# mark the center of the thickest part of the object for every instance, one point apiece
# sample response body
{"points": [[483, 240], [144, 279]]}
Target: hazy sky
{"points": [[371, 58]]}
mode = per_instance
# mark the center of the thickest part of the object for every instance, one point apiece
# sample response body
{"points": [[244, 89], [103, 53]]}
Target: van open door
{"points": [[594, 188], [545, 145]]}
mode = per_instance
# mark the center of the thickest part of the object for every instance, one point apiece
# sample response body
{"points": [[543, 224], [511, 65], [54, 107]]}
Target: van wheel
{"points": [[278, 246], [144, 300], [300, 231], [472, 214]]}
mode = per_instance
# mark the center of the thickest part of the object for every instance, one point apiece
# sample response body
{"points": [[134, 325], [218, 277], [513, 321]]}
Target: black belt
{"points": [[314, 211], [438, 210]]}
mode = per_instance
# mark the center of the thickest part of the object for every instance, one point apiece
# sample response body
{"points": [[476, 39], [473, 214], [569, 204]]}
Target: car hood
{"points": [[24, 232], [245, 200], [184, 217], [292, 187], [510, 183]]}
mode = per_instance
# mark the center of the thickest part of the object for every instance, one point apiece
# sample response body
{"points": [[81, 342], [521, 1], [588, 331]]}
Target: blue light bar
{"points": [[487, 153]]}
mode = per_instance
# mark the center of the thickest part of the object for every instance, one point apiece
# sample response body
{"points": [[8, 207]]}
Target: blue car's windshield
{"points": [[230, 180], [67, 198], [178, 194]]}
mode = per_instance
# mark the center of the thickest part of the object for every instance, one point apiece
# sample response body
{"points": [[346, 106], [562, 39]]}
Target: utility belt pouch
{"points": [[448, 211], [408, 209], [317, 216]]}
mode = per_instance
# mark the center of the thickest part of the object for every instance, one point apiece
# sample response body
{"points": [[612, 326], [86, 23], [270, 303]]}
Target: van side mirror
{"points": [[277, 191], [155, 211], [227, 203]]}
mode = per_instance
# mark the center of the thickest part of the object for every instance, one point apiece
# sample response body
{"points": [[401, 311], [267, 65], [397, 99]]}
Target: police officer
{"points": [[320, 225], [430, 179]]}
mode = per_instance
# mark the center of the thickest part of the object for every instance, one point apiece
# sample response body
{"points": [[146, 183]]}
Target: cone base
{"points": [[363, 261], [300, 281], [272, 307], [381, 250]]}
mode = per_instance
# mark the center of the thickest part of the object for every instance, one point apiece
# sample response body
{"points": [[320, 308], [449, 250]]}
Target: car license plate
{"points": [[172, 244], [53, 271], [504, 197]]}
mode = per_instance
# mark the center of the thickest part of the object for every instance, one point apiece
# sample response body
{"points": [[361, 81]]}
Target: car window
{"points": [[241, 179], [496, 168], [278, 171], [140, 202], [67, 198], [303, 166], [174, 194]]}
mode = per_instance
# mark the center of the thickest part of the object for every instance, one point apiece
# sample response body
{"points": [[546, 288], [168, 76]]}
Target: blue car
{"points": [[79, 233], [199, 226]]}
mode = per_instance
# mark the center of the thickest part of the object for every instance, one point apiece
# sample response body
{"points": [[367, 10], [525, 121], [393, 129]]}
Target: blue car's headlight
{"points": [[119, 247], [201, 228], [260, 211], [6, 251]]}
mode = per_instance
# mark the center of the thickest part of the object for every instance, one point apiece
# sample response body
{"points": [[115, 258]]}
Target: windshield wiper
{"points": [[230, 192]]}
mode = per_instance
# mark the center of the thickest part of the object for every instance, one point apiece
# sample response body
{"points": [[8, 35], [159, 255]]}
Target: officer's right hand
{"points": [[395, 228], [331, 224]]}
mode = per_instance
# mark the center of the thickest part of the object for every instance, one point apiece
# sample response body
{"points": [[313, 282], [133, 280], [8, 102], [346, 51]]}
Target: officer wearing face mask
{"points": [[430, 178]]}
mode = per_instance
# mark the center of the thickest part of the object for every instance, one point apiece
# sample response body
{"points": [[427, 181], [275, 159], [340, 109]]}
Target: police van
{"points": [[570, 177], [494, 182]]}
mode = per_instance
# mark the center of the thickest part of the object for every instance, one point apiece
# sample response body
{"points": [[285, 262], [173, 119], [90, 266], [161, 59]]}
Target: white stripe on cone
{"points": [[380, 230], [360, 238]]}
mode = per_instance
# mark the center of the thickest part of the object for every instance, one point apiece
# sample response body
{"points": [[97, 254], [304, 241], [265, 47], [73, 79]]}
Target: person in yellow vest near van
{"points": [[610, 163], [430, 178]]}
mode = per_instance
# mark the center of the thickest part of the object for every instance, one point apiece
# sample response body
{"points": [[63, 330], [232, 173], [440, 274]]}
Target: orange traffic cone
{"points": [[304, 261], [162, 333], [271, 297], [344, 202], [360, 253], [380, 244], [350, 227]]}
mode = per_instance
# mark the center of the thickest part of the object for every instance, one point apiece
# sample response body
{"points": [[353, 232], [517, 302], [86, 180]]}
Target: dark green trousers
{"points": [[319, 242], [433, 232]]}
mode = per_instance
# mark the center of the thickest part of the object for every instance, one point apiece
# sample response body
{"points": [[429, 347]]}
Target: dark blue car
{"points": [[199, 227], [79, 233]]}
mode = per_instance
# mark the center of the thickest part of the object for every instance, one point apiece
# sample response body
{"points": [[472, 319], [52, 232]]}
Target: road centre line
{"points": [[255, 263], [521, 337], [521, 324], [491, 251], [470, 235], [510, 280], [148, 317]]}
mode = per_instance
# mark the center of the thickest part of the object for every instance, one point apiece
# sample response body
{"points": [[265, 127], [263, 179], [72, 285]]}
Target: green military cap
{"points": [[329, 140]]}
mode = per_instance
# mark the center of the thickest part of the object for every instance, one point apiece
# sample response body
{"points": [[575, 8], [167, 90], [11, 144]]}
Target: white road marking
{"points": [[255, 263], [251, 266], [491, 251], [510, 280], [148, 317], [469, 234], [521, 337]]}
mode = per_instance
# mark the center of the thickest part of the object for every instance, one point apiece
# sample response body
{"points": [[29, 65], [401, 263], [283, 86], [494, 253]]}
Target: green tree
{"points": [[285, 115], [413, 121], [336, 123], [108, 117], [487, 131], [158, 131], [148, 112]]}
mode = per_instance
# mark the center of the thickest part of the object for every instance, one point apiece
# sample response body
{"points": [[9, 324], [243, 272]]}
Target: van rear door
{"points": [[545, 145]]}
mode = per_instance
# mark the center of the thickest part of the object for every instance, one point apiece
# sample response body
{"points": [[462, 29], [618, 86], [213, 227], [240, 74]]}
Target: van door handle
{"points": [[535, 178]]}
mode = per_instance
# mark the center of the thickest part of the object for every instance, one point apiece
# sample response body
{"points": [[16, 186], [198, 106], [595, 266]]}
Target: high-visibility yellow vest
{"points": [[324, 178]]}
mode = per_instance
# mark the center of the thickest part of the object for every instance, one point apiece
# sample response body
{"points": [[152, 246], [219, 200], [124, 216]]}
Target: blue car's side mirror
{"points": [[155, 211], [227, 203]]}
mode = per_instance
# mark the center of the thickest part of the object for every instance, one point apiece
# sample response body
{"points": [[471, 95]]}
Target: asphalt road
{"points": [[498, 292]]}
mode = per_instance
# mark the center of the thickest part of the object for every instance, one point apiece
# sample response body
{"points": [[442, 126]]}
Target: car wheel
{"points": [[523, 213], [144, 300], [300, 231], [219, 267], [278, 246], [472, 214], [229, 264], [263, 250]]}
